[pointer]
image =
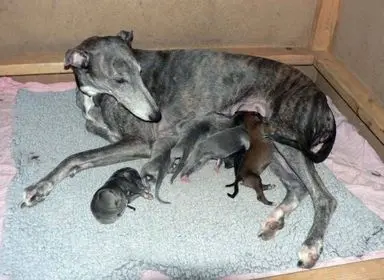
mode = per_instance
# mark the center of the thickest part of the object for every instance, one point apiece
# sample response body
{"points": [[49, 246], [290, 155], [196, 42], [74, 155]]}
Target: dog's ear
{"points": [[76, 58], [127, 36]]}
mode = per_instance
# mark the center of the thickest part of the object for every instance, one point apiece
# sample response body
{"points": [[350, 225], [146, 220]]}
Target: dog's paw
{"points": [[177, 152], [174, 165], [270, 227], [36, 193], [149, 181], [149, 174], [309, 254]]}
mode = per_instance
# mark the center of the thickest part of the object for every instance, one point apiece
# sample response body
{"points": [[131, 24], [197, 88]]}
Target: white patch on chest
{"points": [[91, 91], [88, 105]]}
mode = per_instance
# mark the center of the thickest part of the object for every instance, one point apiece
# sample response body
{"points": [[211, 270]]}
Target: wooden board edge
{"points": [[359, 270], [358, 96], [324, 25], [53, 64]]}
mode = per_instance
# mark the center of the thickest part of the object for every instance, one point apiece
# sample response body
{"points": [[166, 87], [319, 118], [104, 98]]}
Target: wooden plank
{"points": [[362, 270], [324, 24], [32, 64], [355, 93]]}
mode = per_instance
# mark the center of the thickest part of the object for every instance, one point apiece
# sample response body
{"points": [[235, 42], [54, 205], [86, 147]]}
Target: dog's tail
{"points": [[318, 131]]}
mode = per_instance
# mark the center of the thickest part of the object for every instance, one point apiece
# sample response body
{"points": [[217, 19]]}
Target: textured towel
{"points": [[203, 234]]}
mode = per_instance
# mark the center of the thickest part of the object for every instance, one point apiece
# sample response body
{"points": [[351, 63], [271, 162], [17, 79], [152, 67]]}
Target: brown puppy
{"points": [[256, 158]]}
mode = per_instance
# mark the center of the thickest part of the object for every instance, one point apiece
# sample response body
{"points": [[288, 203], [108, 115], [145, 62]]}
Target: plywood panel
{"points": [[53, 25], [365, 270], [359, 41], [52, 63]]}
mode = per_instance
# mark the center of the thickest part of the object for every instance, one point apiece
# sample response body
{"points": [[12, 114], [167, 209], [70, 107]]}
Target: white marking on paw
{"points": [[308, 255]]}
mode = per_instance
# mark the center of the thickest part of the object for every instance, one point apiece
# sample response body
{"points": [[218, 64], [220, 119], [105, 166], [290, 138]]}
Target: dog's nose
{"points": [[155, 117]]}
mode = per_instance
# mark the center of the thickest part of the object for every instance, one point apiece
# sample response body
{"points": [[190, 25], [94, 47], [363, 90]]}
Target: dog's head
{"points": [[107, 65]]}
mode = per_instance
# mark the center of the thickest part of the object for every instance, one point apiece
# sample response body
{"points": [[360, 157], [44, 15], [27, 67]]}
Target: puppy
{"points": [[253, 162], [110, 201], [192, 132]]}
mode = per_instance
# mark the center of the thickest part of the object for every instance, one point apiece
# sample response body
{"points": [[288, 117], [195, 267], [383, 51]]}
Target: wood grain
{"points": [[362, 270], [324, 24], [32, 64]]}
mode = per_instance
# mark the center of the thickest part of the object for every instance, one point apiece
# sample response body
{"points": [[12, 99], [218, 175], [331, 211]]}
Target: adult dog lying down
{"points": [[134, 98]]}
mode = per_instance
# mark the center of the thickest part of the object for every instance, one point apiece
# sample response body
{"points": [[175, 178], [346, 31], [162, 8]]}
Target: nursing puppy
{"points": [[110, 201], [222, 146], [255, 159], [193, 132]]}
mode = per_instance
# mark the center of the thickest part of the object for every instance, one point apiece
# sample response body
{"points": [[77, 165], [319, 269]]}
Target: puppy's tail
{"points": [[162, 173]]}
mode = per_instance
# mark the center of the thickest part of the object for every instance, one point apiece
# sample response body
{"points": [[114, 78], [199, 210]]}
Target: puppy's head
{"points": [[108, 205], [110, 201]]}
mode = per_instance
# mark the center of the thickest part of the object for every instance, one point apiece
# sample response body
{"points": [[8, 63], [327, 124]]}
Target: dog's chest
{"points": [[88, 105]]}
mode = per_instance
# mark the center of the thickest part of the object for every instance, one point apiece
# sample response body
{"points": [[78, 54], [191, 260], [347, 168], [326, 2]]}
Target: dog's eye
{"points": [[120, 80]]}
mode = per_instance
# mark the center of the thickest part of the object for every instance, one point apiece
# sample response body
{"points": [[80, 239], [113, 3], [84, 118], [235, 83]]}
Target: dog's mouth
{"points": [[139, 104]]}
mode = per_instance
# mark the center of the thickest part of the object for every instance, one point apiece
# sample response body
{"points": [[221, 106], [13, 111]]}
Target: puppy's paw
{"points": [[36, 193], [269, 187], [185, 179], [309, 254], [270, 228], [147, 195]]}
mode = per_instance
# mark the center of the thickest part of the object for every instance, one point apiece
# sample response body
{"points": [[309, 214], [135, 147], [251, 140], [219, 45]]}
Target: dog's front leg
{"points": [[154, 171], [324, 204], [111, 154]]}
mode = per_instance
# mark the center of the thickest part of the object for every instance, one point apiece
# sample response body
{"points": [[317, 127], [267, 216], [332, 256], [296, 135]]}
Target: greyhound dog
{"points": [[110, 201], [134, 98], [255, 159]]}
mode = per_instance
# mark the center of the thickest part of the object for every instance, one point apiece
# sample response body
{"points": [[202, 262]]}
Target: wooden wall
{"points": [[359, 42], [38, 26]]}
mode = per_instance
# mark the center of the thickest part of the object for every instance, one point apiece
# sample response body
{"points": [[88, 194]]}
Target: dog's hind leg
{"points": [[111, 154], [296, 191], [324, 204]]}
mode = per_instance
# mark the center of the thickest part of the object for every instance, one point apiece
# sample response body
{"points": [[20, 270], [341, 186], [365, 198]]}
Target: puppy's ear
{"points": [[76, 58], [238, 117], [259, 117], [127, 36]]}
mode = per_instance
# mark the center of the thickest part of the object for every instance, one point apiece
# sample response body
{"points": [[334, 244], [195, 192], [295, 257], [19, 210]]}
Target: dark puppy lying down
{"points": [[110, 201]]}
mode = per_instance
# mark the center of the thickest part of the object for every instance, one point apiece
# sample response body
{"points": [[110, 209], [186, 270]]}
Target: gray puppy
{"points": [[222, 145], [110, 201], [192, 133]]}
